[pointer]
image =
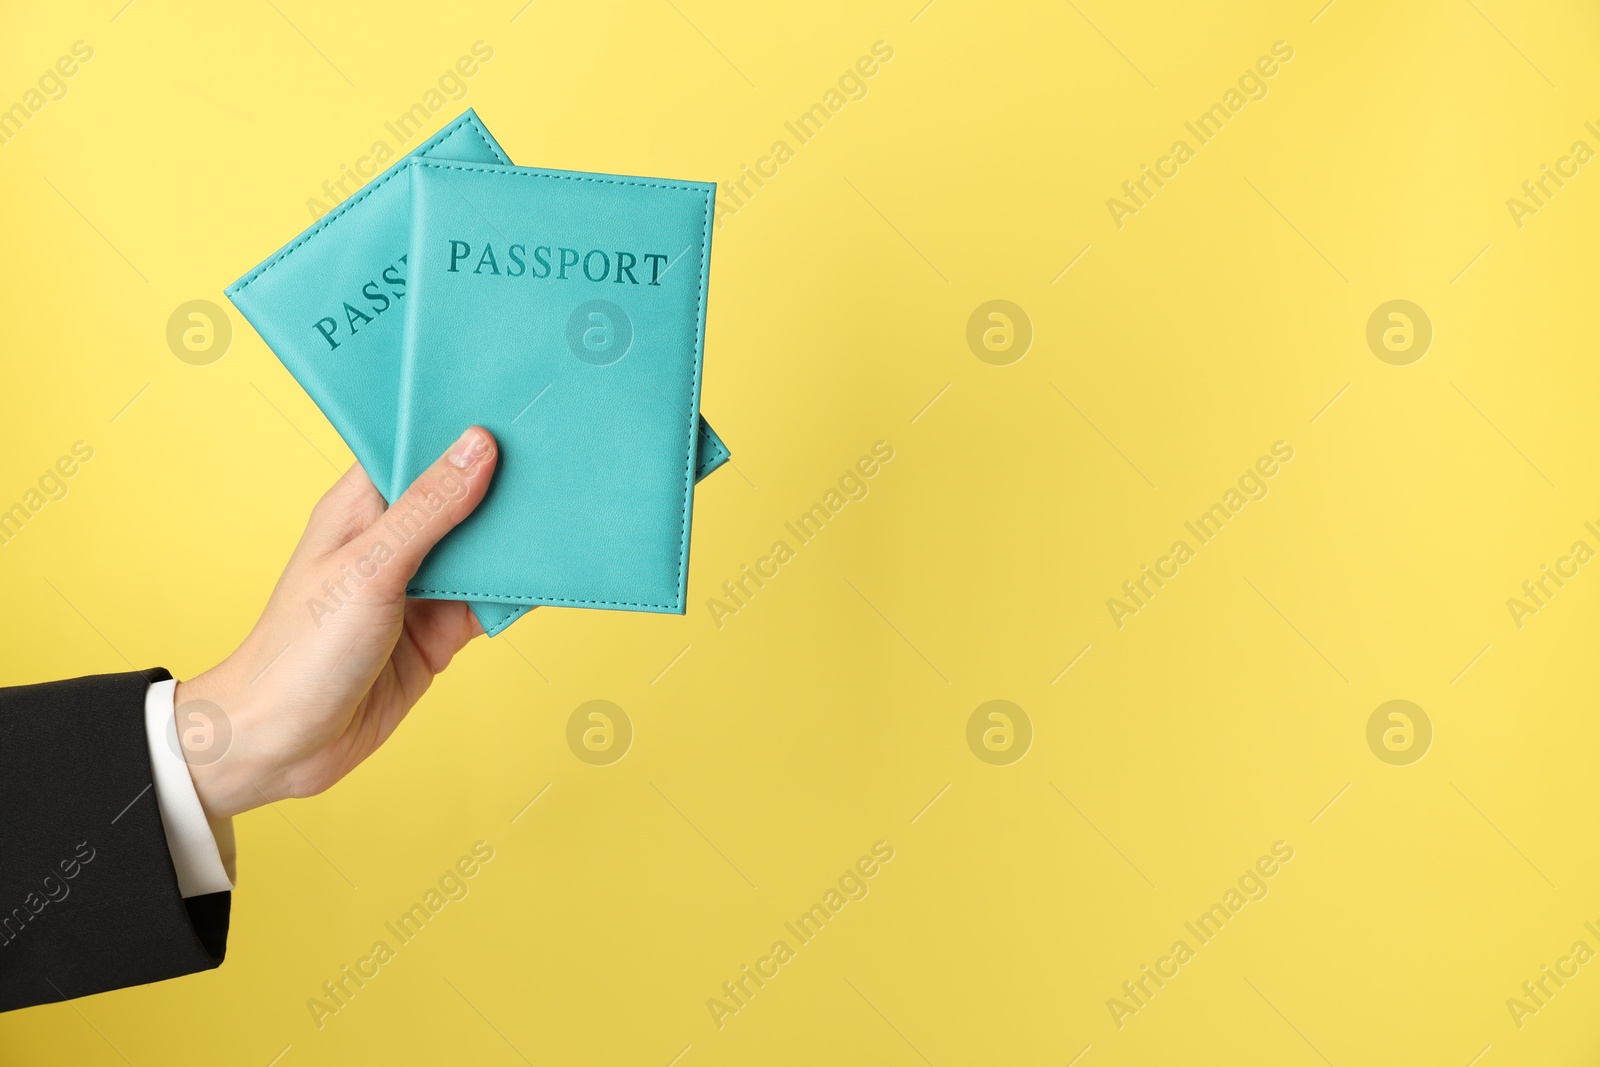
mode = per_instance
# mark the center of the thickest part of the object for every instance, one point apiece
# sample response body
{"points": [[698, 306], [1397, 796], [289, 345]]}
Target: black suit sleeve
{"points": [[89, 899]]}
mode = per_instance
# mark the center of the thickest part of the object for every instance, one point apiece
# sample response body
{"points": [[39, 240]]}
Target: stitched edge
{"points": [[719, 451], [517, 612], [469, 119], [466, 120], [694, 397], [703, 188], [680, 602], [515, 609], [710, 462], [456, 594]]}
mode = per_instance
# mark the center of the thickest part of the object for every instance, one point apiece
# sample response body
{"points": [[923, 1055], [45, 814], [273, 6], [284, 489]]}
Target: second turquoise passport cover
{"points": [[329, 305], [565, 312]]}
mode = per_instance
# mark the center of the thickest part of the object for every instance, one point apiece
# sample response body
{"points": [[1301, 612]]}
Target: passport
{"points": [[330, 306], [565, 312]]}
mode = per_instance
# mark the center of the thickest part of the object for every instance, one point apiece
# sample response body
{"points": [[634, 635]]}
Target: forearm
{"points": [[89, 897]]}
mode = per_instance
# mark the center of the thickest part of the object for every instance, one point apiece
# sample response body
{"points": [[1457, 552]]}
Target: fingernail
{"points": [[469, 449]]}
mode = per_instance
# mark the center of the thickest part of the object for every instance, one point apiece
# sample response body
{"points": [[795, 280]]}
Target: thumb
{"points": [[437, 501]]}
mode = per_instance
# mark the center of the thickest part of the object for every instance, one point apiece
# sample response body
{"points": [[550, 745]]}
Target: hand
{"points": [[340, 654]]}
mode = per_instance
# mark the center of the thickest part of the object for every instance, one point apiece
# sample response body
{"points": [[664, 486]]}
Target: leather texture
{"points": [[513, 271], [330, 306]]}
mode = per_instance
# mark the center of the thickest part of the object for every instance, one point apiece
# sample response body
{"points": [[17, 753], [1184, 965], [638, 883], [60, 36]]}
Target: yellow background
{"points": [[1229, 714]]}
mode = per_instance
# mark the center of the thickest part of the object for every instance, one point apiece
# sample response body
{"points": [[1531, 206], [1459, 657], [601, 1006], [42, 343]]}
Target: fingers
{"points": [[437, 501], [350, 506], [439, 629]]}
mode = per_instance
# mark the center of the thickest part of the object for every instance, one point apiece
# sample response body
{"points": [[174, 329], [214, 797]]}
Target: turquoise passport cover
{"points": [[565, 312], [328, 305]]}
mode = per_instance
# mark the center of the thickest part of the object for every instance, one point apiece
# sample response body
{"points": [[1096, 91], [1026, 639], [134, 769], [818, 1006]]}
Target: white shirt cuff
{"points": [[202, 852]]}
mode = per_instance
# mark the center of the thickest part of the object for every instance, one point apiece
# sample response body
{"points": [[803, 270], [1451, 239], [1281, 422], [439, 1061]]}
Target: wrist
{"points": [[212, 717]]}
